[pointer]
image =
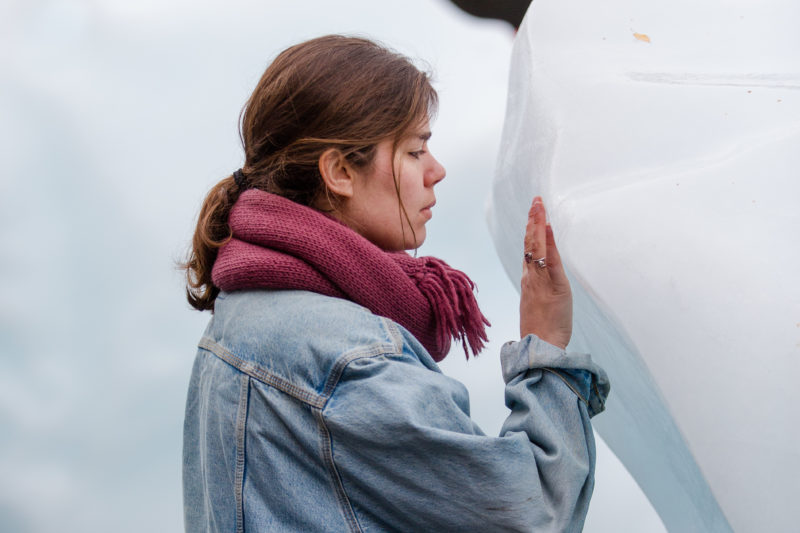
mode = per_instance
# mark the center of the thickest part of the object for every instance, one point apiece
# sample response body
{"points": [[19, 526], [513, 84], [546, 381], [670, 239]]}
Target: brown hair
{"points": [[337, 92]]}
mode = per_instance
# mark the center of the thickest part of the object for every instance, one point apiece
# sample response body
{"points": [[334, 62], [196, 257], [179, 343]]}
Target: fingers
{"points": [[535, 234], [545, 306], [554, 258]]}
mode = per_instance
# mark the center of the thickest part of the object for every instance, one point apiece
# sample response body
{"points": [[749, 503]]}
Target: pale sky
{"points": [[117, 117]]}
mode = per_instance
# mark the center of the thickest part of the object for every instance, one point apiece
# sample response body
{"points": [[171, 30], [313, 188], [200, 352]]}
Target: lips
{"points": [[427, 210]]}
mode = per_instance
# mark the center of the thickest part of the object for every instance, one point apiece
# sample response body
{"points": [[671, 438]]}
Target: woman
{"points": [[315, 402]]}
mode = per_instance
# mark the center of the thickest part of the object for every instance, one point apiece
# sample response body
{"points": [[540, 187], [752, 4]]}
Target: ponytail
{"points": [[211, 233]]}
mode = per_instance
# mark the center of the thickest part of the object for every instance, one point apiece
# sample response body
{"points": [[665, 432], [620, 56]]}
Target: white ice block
{"points": [[665, 140]]}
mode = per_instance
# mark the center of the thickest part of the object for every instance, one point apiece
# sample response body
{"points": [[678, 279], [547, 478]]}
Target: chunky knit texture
{"points": [[279, 244]]}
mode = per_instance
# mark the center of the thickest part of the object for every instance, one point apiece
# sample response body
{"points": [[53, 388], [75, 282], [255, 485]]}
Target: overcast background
{"points": [[116, 117]]}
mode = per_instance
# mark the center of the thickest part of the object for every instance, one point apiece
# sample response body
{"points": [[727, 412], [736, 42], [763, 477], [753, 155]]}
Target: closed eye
{"points": [[417, 154]]}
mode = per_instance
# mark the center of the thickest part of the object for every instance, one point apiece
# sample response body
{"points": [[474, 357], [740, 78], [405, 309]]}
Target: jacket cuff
{"points": [[587, 379]]}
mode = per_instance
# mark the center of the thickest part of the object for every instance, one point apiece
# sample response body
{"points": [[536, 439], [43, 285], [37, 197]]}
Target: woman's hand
{"points": [[545, 306]]}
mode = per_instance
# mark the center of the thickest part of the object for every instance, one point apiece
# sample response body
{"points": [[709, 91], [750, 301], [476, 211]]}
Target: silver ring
{"points": [[541, 262]]}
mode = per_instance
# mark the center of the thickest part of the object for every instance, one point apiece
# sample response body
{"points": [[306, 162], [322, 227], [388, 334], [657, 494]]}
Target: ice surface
{"points": [[663, 137]]}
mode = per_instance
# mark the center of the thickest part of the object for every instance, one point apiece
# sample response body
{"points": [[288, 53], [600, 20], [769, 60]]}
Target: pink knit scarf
{"points": [[279, 244]]}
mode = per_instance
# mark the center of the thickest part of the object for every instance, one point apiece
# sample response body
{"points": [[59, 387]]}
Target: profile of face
{"points": [[371, 199]]}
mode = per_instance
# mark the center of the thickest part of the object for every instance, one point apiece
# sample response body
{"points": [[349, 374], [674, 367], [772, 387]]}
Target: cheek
{"points": [[414, 193], [407, 185]]}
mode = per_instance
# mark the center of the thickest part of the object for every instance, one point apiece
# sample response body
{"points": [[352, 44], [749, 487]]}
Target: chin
{"points": [[402, 242], [420, 235]]}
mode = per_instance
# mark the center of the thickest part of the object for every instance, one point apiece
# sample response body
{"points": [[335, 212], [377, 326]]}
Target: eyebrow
{"points": [[425, 136]]}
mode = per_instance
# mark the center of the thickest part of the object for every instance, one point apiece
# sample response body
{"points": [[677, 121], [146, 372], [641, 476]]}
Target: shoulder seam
{"points": [[395, 348], [262, 375], [311, 398], [342, 362], [394, 333]]}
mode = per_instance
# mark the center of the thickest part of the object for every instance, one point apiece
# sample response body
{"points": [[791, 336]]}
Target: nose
{"points": [[435, 173]]}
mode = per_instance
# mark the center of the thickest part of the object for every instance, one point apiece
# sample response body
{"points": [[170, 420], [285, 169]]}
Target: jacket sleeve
{"points": [[409, 458]]}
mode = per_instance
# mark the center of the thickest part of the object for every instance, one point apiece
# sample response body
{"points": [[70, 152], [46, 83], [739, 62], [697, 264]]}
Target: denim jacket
{"points": [[308, 413]]}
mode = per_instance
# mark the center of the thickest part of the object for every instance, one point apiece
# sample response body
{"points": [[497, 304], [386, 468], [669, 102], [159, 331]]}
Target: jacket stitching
{"points": [[344, 360], [262, 375], [316, 401], [327, 439], [578, 394], [394, 333], [341, 496], [241, 424], [599, 401]]}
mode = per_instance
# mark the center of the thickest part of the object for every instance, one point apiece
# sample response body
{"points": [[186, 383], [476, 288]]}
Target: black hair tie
{"points": [[238, 177]]}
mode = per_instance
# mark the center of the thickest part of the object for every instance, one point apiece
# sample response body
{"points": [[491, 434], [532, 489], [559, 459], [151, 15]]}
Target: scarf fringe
{"points": [[450, 293]]}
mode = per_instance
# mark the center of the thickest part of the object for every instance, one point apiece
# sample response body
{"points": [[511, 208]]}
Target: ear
{"points": [[336, 173]]}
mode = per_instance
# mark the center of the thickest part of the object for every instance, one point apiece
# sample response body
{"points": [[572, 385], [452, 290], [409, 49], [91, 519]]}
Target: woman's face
{"points": [[374, 210]]}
